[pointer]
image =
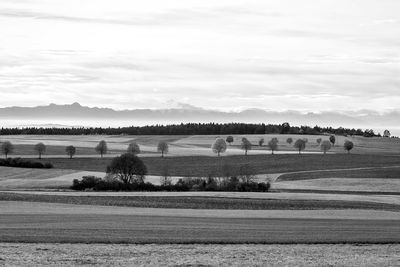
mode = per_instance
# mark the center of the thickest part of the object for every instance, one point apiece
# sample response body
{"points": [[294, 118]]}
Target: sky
{"points": [[303, 55]]}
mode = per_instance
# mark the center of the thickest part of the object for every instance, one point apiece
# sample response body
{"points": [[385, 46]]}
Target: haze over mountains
{"points": [[76, 115]]}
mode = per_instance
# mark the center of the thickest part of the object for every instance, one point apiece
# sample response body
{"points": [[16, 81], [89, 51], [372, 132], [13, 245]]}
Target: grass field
{"points": [[193, 145], [29, 225], [379, 172], [198, 255], [377, 185], [262, 164], [269, 202], [25, 178]]}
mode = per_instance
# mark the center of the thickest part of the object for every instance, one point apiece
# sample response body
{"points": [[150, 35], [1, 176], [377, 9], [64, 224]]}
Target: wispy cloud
{"points": [[224, 54]]}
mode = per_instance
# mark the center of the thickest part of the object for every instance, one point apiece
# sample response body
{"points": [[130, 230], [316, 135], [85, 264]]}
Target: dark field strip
{"points": [[200, 202], [70, 228], [203, 166], [393, 173]]}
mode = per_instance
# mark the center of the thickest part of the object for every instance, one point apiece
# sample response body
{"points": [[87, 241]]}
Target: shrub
{"points": [[23, 163]]}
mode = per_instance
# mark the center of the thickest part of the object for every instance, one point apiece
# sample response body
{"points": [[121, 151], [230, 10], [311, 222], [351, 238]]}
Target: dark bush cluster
{"points": [[23, 163], [187, 184]]}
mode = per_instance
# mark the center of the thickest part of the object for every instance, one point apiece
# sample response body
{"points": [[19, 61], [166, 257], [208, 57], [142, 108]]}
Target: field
{"points": [[197, 145], [199, 255], [69, 223], [337, 201], [261, 164]]}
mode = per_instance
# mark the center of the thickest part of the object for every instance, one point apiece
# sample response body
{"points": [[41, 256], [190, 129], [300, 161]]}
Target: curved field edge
{"points": [[198, 202], [392, 172], [261, 164], [17, 254]]}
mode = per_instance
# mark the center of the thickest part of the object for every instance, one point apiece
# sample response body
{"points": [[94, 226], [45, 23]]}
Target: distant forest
{"points": [[192, 129]]}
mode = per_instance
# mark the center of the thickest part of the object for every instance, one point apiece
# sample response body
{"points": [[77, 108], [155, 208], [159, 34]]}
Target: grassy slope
{"points": [[69, 228], [85, 144], [202, 166], [200, 202], [393, 173]]}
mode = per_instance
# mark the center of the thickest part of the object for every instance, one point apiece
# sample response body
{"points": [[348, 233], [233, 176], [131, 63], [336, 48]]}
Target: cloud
{"points": [[225, 54]]}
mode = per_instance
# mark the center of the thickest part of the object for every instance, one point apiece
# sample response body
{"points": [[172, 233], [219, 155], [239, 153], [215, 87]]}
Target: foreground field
{"points": [[17, 254], [32, 222]]}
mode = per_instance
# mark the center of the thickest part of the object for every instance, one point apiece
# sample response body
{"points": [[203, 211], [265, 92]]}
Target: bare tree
{"points": [[163, 148], [246, 145], [40, 148], [101, 148], [133, 148], [229, 140], [348, 145], [386, 133], [165, 178], [325, 146], [332, 139], [261, 142], [219, 146], [128, 168], [273, 144], [70, 150], [7, 148], [289, 140], [247, 173], [300, 145]]}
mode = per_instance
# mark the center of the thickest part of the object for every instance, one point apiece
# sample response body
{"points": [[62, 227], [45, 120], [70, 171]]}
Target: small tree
{"points": [[7, 148], [165, 178], [70, 150], [229, 140], [163, 148], [325, 146], [133, 148], [219, 146], [247, 173], [261, 142], [332, 139], [40, 148], [273, 144], [386, 133], [348, 145], [289, 140], [300, 145], [101, 148], [128, 168], [319, 140], [246, 145]]}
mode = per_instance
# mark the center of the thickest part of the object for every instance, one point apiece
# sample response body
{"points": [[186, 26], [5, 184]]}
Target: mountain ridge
{"points": [[189, 113]]}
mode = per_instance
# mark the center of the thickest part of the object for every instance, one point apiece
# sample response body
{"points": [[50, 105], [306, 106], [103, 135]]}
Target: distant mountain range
{"points": [[75, 115]]}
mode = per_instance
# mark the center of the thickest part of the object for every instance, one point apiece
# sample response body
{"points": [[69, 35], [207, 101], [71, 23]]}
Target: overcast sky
{"points": [[307, 55]]}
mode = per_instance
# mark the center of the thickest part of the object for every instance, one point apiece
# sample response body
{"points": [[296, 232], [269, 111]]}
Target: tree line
{"points": [[219, 146], [193, 129]]}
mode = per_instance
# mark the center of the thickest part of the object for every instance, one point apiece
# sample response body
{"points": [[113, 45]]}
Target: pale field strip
{"points": [[276, 175], [38, 178], [19, 254], [34, 208], [341, 184], [386, 199]]}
